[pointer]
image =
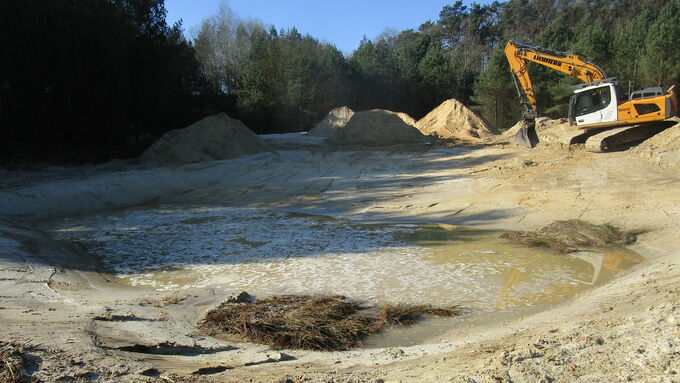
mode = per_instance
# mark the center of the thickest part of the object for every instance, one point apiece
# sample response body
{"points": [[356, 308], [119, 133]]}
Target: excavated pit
{"points": [[268, 252]]}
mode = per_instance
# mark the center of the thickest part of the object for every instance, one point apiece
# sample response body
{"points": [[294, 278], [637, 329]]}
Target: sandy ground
{"points": [[75, 324]]}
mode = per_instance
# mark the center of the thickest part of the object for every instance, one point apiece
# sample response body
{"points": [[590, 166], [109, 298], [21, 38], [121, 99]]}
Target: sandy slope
{"points": [[625, 331]]}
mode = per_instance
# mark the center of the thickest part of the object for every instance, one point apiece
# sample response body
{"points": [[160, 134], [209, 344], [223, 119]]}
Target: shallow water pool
{"points": [[269, 252]]}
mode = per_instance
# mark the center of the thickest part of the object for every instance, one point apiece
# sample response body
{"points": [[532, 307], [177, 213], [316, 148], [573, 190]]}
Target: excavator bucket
{"points": [[526, 135]]}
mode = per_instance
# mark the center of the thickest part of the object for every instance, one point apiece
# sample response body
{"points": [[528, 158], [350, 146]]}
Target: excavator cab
{"points": [[593, 105]]}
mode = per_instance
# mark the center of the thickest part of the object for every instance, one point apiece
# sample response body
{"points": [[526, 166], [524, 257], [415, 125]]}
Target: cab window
{"points": [[592, 100]]}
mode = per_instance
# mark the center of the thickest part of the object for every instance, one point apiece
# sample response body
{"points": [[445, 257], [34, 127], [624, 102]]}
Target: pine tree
{"points": [[661, 62]]}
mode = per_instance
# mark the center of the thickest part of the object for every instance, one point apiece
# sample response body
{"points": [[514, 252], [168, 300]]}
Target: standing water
{"points": [[269, 252]]}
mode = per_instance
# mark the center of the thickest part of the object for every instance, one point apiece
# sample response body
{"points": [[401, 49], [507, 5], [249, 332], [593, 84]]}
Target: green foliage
{"points": [[594, 41], [290, 81], [661, 61], [557, 35], [88, 80], [494, 89], [630, 42]]}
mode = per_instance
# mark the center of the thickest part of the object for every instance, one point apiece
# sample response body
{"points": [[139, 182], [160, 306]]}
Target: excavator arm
{"points": [[571, 64], [518, 54]]}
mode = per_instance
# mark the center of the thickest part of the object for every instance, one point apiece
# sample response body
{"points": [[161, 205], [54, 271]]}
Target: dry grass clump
{"points": [[11, 363], [326, 322], [404, 315], [572, 235], [303, 322]]}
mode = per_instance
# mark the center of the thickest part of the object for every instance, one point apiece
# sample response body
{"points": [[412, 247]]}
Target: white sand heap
{"points": [[452, 119], [334, 120], [378, 127], [215, 137], [663, 149]]}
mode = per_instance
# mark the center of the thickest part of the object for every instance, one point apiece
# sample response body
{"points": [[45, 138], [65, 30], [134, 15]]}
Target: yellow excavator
{"points": [[596, 106]]}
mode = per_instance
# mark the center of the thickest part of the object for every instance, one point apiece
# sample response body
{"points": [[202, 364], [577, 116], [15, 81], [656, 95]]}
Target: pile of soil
{"points": [[378, 128], [336, 119], [215, 137], [663, 149], [452, 119], [553, 131], [509, 135]]}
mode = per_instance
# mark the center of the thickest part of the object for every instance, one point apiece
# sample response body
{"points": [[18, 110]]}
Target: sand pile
{"points": [[376, 128], [215, 137], [555, 131], [334, 120], [663, 149], [549, 131], [509, 135], [406, 118], [452, 119]]}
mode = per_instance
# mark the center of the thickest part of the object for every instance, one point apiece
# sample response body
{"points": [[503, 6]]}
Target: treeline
{"points": [[283, 81], [280, 80], [91, 79], [87, 80]]}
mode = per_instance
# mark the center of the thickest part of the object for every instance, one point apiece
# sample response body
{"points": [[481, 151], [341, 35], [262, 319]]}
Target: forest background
{"points": [[90, 80]]}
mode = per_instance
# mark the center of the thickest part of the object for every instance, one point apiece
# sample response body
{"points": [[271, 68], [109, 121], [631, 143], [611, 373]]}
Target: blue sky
{"points": [[342, 23]]}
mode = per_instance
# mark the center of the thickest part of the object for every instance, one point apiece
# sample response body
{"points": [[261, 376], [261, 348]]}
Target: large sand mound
{"points": [[663, 149], [215, 137], [452, 119], [376, 128], [334, 120]]}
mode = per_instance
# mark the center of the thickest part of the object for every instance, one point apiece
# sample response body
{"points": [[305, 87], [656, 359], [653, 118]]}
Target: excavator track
{"points": [[623, 138]]}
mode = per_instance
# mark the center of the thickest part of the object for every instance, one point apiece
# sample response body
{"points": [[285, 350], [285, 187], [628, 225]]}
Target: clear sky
{"points": [[342, 23]]}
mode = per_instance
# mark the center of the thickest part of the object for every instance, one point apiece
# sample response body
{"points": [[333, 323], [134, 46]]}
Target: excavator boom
{"points": [[518, 54]]}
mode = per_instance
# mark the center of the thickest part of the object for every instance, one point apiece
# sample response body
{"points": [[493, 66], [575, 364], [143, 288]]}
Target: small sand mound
{"points": [[407, 119], [549, 131], [215, 137], [376, 128], [452, 119], [555, 131], [334, 120], [663, 149], [509, 135]]}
